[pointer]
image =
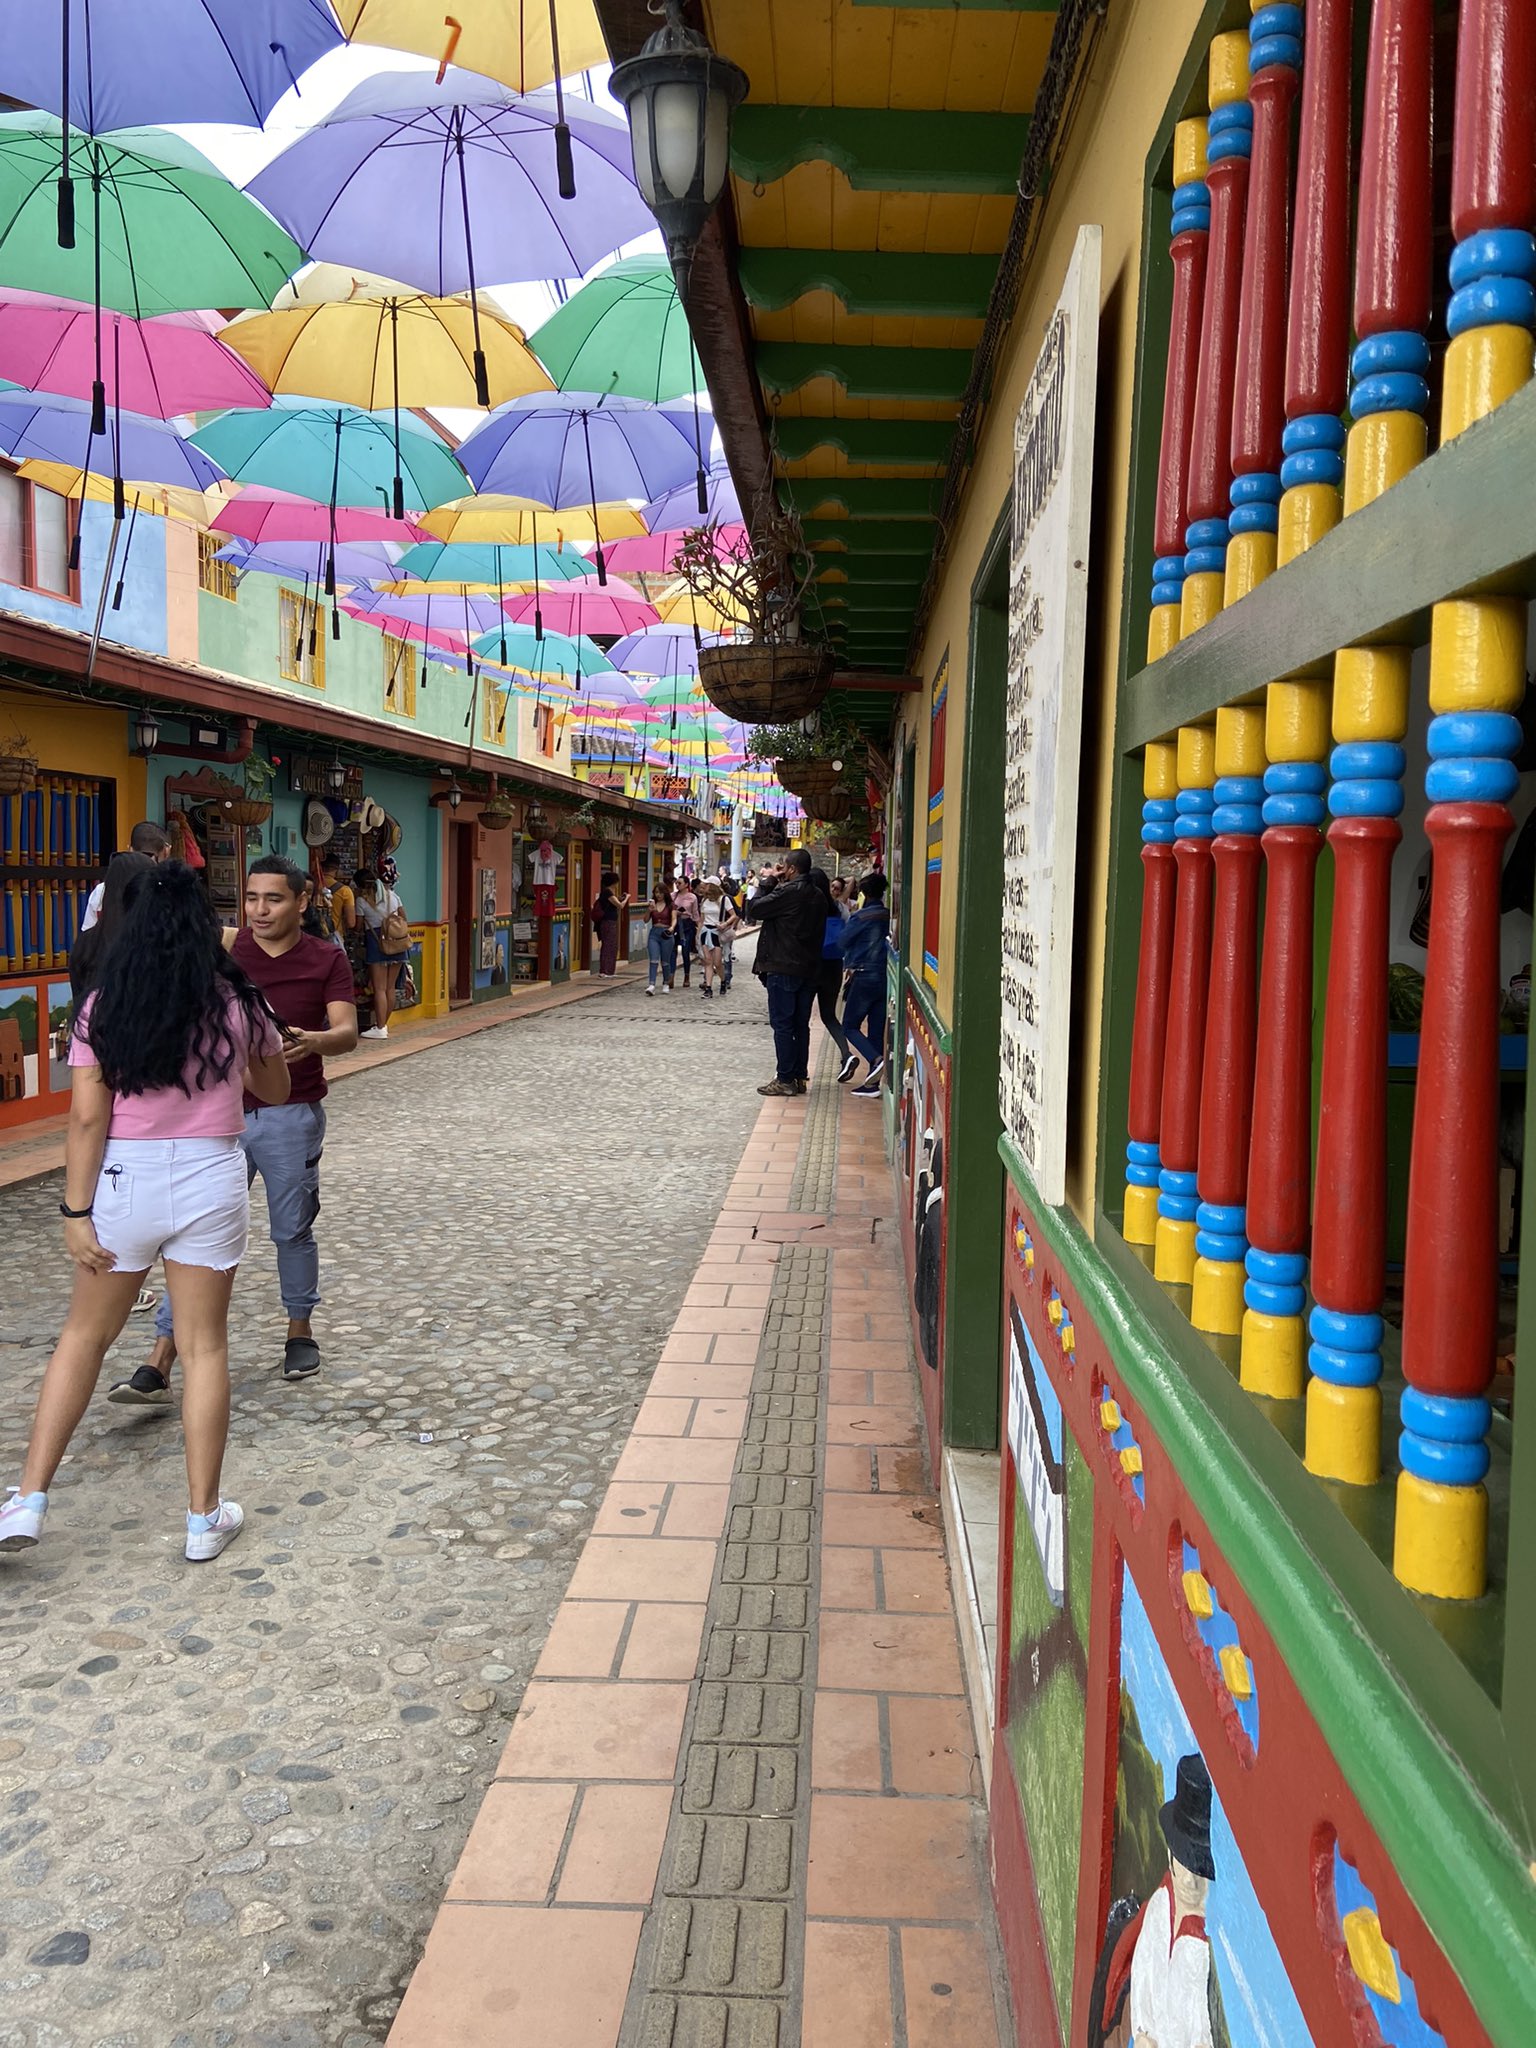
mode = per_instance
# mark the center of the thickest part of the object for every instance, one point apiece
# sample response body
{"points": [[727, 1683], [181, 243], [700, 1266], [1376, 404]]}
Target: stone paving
{"points": [[231, 1797]]}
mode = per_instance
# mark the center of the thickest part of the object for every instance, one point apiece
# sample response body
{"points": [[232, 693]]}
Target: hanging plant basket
{"points": [[497, 813], [247, 811], [764, 681], [614, 831], [851, 837], [812, 778], [831, 808], [18, 774]]}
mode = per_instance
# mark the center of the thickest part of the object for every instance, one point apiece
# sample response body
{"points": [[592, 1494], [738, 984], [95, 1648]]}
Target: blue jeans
{"points": [[283, 1144], [864, 1016], [661, 947], [791, 998]]}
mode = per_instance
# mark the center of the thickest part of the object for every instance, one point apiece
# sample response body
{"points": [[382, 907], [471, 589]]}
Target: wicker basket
{"points": [[766, 682], [812, 778], [850, 838], [497, 814], [18, 774], [246, 810], [830, 808]]}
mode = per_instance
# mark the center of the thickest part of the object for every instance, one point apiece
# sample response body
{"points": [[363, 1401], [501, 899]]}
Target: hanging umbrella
{"points": [[166, 501], [580, 608], [445, 611], [653, 554], [555, 653], [658, 651], [359, 562], [525, 46], [439, 638], [681, 606], [387, 353], [55, 429], [491, 518], [573, 448], [670, 691], [453, 184], [260, 513], [490, 567], [673, 508], [624, 331], [160, 367]]}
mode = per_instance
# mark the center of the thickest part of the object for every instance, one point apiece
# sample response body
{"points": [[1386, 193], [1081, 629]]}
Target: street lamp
{"points": [[146, 732], [455, 796], [336, 774], [679, 95]]}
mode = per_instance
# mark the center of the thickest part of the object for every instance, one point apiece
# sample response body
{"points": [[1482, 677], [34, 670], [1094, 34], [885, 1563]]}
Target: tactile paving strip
{"points": [[721, 1961]]}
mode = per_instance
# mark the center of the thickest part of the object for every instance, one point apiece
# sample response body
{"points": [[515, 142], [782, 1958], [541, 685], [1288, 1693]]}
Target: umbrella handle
{"points": [[456, 29], [565, 162], [66, 182]]}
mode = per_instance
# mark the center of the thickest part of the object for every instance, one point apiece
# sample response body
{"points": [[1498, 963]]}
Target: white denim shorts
{"points": [[185, 1199]]}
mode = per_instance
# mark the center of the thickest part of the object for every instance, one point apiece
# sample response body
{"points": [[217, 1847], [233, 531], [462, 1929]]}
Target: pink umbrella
{"points": [[650, 554], [158, 367], [582, 606], [260, 513], [403, 629]]}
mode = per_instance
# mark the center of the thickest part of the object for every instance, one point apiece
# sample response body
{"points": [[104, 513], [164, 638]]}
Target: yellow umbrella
{"points": [[168, 501], [681, 606], [405, 349], [491, 520], [525, 46]]}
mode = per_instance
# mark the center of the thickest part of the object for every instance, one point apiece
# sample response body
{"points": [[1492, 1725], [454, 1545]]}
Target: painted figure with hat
{"points": [[1170, 1970]]}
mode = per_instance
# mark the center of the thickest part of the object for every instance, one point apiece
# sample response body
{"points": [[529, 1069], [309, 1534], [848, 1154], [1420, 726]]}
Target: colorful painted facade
{"points": [[1257, 1698]]}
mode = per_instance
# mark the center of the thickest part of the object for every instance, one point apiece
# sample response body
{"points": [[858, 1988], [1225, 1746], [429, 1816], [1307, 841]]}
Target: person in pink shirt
{"points": [[163, 1048]]}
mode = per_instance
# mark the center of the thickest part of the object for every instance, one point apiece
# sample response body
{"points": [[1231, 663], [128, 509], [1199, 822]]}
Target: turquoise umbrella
{"points": [[439, 561], [553, 653]]}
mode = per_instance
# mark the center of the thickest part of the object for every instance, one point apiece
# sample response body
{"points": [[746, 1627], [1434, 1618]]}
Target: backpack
{"points": [[395, 930]]}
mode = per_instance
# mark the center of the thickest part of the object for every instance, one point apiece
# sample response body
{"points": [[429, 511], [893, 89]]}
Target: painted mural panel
{"points": [[1188, 1959], [1048, 1642], [933, 875]]}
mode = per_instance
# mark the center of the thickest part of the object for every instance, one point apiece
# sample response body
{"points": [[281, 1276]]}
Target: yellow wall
{"points": [[80, 739], [1134, 71]]}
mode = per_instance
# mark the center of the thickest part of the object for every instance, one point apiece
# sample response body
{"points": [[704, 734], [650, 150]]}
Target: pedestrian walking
{"points": [[790, 914], [661, 941], [717, 923], [308, 984], [163, 1046], [386, 942], [685, 905], [864, 942], [147, 838], [607, 912], [829, 977]]}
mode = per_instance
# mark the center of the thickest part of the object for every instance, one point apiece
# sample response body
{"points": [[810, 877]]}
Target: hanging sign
{"points": [[1047, 621]]}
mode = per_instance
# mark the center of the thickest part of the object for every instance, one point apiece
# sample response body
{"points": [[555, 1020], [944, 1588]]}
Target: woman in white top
{"points": [[377, 903], [717, 927]]}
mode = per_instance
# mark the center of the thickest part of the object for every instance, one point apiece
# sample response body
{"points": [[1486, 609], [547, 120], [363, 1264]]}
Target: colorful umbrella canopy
{"points": [[454, 185], [678, 507], [447, 611], [491, 568], [335, 454], [524, 47], [59, 430], [554, 653], [668, 692], [403, 629], [359, 562], [658, 651], [172, 233], [160, 367], [259, 513], [381, 352], [165, 60], [684, 607], [624, 331], [576, 448], [170, 501], [491, 518], [584, 607], [653, 554]]}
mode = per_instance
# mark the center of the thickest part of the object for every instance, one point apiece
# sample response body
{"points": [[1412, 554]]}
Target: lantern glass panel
{"points": [[639, 111], [675, 115], [717, 142]]}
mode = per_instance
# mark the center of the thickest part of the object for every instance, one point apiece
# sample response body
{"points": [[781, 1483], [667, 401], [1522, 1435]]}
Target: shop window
{"points": [[218, 578], [399, 676], [495, 706], [301, 625], [546, 729], [35, 538]]}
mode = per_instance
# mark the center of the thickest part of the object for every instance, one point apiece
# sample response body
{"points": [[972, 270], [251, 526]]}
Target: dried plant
{"points": [[757, 581]]}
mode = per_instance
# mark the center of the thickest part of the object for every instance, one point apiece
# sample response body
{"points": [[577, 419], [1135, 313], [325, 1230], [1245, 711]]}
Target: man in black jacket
{"points": [[791, 916]]}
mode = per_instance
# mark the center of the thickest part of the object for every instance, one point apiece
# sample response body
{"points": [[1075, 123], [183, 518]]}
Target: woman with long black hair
{"points": [[162, 1048], [89, 949]]}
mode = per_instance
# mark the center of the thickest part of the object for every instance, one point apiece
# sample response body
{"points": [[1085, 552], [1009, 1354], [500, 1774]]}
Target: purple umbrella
{"points": [[442, 611], [362, 562], [59, 430], [660, 651], [677, 507], [453, 185], [578, 448]]}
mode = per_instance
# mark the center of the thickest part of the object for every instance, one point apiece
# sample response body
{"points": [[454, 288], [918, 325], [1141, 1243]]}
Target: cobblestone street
{"points": [[231, 1797]]}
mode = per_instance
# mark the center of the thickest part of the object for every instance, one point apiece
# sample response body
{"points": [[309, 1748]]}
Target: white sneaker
{"points": [[21, 1519], [374, 1031], [650, 990], [207, 1535]]}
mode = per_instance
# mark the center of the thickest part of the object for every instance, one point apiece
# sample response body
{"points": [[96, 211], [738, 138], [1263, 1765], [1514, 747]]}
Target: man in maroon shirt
{"points": [[308, 982]]}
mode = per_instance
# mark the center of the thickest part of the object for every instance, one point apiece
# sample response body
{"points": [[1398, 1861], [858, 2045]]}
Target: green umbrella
{"points": [[625, 332], [173, 234]]}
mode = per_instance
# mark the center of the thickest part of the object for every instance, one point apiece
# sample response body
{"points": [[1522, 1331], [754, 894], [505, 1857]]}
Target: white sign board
{"points": [[1047, 619], [1042, 1484]]}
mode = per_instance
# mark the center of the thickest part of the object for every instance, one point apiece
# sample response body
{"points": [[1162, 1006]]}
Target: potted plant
{"points": [[851, 836], [812, 757], [254, 807], [18, 766], [756, 583]]}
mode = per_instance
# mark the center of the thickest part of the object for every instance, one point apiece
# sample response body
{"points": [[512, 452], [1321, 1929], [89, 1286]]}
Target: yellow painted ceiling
{"points": [[815, 207], [821, 316]]}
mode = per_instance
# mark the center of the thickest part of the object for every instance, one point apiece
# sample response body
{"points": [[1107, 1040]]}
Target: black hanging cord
{"points": [[538, 615], [565, 162], [482, 379], [700, 479], [394, 357], [117, 594], [330, 553], [98, 387], [602, 566], [119, 495], [501, 598]]}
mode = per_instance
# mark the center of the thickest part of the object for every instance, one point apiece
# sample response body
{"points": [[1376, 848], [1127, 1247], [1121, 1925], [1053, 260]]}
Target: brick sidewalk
{"points": [[739, 1807]]}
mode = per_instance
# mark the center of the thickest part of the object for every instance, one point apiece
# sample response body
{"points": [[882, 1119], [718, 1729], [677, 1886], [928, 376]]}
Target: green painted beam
{"points": [[887, 537], [882, 149], [869, 281], [889, 441], [906, 570], [863, 497], [916, 373]]}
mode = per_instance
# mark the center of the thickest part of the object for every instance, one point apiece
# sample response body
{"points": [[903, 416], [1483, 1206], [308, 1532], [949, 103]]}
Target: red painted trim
{"points": [[1188, 252], [1280, 1166], [1286, 1806], [1154, 970], [1226, 1087], [1392, 250], [1450, 1290], [1258, 403], [1210, 448], [1493, 166], [1188, 991], [1317, 335]]}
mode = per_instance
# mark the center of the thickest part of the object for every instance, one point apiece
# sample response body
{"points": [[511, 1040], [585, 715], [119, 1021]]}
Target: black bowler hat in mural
{"points": [[1186, 1818]]}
